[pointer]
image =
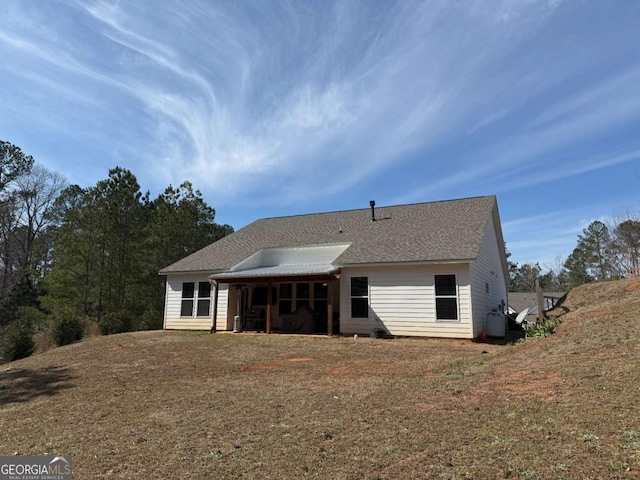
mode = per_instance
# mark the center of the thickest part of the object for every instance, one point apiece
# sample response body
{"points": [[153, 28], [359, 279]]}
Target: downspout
{"points": [[215, 306]]}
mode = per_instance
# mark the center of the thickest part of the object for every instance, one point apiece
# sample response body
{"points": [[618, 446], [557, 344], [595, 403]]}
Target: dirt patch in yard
{"points": [[523, 384], [273, 365], [632, 287]]}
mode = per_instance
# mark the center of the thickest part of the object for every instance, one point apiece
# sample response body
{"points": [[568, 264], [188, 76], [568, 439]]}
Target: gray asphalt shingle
{"points": [[436, 231]]}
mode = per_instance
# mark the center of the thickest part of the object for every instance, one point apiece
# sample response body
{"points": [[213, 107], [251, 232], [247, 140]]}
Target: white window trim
{"points": [[192, 299], [197, 299], [456, 296], [368, 297]]}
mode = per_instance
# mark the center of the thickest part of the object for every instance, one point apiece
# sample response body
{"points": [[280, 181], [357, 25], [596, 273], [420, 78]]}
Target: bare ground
{"points": [[193, 405]]}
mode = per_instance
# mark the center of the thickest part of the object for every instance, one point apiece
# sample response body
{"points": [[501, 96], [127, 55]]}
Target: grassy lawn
{"points": [[194, 405]]}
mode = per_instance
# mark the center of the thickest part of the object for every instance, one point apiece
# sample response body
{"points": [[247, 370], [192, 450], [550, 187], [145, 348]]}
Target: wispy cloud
{"points": [[539, 237], [351, 90], [280, 104], [551, 140]]}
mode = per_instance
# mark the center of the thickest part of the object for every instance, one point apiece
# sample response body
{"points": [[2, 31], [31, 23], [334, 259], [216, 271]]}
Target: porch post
{"points": [[269, 300], [238, 299], [215, 306], [330, 309]]}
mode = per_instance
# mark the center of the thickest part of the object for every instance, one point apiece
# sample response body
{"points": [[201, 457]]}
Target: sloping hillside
{"points": [[190, 405]]}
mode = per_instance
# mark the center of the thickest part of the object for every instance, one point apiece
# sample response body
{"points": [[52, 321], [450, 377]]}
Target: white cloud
{"points": [[286, 95], [401, 90]]}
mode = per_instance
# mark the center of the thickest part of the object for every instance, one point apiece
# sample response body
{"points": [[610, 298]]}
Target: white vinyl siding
{"points": [[173, 303], [222, 321], [402, 301], [487, 271]]}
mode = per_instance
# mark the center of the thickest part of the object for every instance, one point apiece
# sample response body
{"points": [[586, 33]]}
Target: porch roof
{"points": [[278, 273]]}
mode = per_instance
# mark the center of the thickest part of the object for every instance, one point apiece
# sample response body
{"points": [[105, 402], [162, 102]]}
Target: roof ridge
{"points": [[377, 206]]}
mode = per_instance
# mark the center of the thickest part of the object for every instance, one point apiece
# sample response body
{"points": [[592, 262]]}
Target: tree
{"points": [[37, 193], [112, 241], [99, 246], [180, 223], [524, 277], [25, 236], [9, 256], [121, 233], [75, 255], [627, 246], [592, 259], [595, 245], [512, 266], [557, 277], [577, 269], [13, 163]]}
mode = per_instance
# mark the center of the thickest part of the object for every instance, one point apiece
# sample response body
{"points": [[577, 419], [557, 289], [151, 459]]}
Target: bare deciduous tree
{"points": [[37, 193]]}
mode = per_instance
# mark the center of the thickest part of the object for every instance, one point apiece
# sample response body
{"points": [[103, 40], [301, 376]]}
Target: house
{"points": [[428, 269], [518, 301]]}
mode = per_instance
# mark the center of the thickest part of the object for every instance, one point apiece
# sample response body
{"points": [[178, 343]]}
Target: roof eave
{"points": [[278, 278], [409, 263], [191, 272]]}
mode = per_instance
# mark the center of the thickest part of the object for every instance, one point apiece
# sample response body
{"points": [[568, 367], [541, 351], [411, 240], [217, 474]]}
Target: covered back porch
{"points": [[281, 300]]}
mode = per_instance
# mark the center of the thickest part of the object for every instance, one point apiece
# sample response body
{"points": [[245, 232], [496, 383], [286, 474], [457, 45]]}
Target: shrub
{"points": [[543, 329], [151, 320], [67, 328], [34, 316], [91, 327], [116, 322], [18, 342]]}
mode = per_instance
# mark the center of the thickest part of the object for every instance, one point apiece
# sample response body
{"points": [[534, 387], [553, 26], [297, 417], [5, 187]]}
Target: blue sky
{"points": [[277, 108]]}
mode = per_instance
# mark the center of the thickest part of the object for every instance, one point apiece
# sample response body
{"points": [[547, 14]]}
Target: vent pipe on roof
{"points": [[372, 203]]}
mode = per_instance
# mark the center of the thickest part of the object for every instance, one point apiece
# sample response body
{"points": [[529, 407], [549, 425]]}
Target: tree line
{"points": [[603, 252], [73, 257]]}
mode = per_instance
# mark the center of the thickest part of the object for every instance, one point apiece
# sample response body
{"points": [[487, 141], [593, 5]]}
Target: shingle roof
{"points": [[518, 301], [449, 230]]}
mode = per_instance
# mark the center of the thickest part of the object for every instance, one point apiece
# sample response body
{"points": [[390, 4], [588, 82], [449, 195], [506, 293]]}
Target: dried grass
{"points": [[192, 405]]}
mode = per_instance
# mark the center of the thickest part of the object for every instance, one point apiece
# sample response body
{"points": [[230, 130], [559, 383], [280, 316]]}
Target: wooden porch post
{"points": [[269, 300], [330, 309], [215, 306]]}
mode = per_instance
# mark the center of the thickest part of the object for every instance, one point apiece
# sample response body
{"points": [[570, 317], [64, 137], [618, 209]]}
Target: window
{"points": [[359, 297], [186, 307], [446, 297], [204, 299], [201, 299], [320, 303], [302, 295], [260, 296], [286, 298]]}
